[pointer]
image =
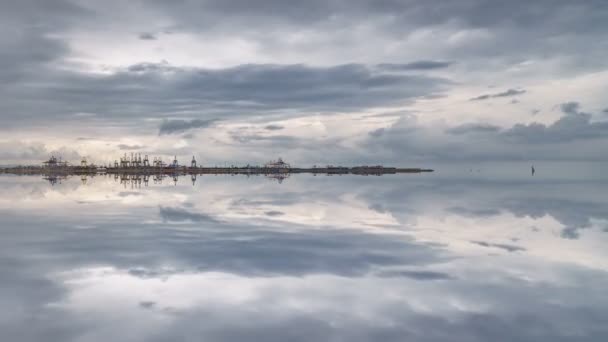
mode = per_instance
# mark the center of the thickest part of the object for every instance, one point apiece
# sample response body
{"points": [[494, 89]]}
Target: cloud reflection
{"points": [[231, 258]]}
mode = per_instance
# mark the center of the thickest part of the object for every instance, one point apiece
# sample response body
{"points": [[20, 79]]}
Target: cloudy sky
{"points": [[356, 81]]}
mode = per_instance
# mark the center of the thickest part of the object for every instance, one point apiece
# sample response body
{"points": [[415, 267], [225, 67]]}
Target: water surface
{"points": [[468, 253]]}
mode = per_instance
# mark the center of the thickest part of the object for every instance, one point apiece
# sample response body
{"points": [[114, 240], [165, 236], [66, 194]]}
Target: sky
{"points": [[315, 82]]}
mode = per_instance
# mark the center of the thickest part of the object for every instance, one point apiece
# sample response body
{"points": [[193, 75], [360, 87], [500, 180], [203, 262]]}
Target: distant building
{"points": [[53, 162], [278, 164]]}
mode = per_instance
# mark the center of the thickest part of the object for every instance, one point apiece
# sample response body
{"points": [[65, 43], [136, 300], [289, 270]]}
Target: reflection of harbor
{"points": [[135, 170], [134, 181], [138, 180], [55, 179]]}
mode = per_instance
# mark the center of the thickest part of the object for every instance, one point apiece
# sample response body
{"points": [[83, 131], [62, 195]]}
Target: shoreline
{"points": [[76, 171]]}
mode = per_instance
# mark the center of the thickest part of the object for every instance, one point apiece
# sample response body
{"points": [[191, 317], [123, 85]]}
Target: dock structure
{"points": [[55, 163], [133, 167]]}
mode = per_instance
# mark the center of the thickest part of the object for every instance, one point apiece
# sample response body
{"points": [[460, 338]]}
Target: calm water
{"points": [[483, 253]]}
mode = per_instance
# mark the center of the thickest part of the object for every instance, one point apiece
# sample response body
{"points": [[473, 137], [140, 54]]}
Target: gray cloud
{"points": [[377, 132], [34, 152], [479, 13], [572, 137], [468, 212], [147, 36], [273, 127], [506, 247], [473, 128], [160, 90], [22, 59], [571, 127], [570, 107], [180, 126], [283, 140], [510, 92], [571, 233], [479, 35], [417, 275], [130, 147], [181, 215], [147, 304], [418, 65]]}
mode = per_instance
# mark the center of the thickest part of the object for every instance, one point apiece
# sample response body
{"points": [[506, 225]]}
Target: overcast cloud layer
{"points": [[357, 80]]}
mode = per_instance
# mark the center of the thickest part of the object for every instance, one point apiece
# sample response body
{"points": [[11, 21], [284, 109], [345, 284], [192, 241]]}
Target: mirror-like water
{"points": [[488, 253]]}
